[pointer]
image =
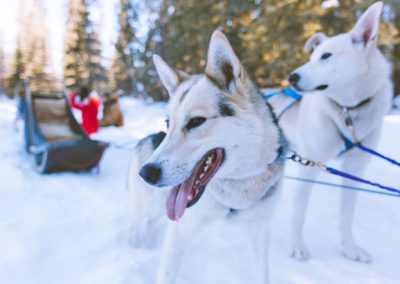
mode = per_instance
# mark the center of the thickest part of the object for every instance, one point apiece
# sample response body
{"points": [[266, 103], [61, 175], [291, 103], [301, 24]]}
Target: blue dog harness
{"points": [[356, 142], [289, 93]]}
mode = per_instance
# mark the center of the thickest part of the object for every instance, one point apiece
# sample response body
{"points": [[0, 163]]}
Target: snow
{"points": [[74, 228]]}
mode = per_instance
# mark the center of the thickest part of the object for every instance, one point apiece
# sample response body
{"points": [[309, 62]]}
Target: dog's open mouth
{"points": [[189, 192], [321, 87]]}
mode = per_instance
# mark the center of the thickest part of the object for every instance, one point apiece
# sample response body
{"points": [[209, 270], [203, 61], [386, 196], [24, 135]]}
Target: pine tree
{"points": [[17, 72], [97, 73], [82, 56], [2, 68], [182, 32], [391, 39], [126, 49], [267, 35], [276, 39], [32, 57], [154, 43]]}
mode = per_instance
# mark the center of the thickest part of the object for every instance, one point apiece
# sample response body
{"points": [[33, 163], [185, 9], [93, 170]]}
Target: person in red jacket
{"points": [[89, 106]]}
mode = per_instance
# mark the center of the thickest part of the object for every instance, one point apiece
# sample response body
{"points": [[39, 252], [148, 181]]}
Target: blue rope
{"points": [[349, 176], [341, 186], [349, 144]]}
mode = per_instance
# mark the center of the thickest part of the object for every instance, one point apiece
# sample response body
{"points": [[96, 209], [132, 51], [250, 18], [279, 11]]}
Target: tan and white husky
{"points": [[347, 77], [220, 157]]}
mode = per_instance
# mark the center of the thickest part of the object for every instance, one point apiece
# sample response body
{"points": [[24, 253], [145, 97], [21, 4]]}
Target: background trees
{"points": [[82, 56], [268, 36], [31, 58]]}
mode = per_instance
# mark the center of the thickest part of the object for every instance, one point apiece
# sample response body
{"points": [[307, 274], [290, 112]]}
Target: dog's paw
{"points": [[300, 253], [356, 253]]}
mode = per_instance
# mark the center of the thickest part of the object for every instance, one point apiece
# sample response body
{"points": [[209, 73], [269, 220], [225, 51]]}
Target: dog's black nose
{"points": [[150, 173], [293, 79]]}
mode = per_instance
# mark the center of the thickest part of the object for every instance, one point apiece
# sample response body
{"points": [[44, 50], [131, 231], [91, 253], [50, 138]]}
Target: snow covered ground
{"points": [[74, 228]]}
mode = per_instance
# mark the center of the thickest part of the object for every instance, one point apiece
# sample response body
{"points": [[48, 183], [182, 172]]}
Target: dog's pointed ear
{"points": [[223, 66], [169, 76], [366, 29], [315, 40]]}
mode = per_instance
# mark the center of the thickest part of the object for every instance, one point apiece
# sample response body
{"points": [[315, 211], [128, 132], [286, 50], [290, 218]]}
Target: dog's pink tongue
{"points": [[177, 199]]}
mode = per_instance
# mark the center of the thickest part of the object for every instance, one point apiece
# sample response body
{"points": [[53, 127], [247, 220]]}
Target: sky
{"points": [[103, 14]]}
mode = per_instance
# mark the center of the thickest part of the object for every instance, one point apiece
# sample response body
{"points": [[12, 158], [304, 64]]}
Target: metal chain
{"points": [[350, 124], [292, 155]]}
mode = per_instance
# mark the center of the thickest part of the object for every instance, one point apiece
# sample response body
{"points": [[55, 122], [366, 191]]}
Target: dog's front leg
{"points": [[260, 243], [171, 254], [300, 204], [354, 163], [258, 225]]}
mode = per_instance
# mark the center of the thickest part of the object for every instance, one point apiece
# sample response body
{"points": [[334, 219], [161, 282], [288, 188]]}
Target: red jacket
{"points": [[89, 113]]}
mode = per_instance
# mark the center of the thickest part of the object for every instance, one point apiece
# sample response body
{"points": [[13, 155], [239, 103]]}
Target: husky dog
{"points": [[221, 156], [112, 114], [350, 81]]}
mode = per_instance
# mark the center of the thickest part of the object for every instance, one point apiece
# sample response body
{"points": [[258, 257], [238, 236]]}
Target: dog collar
{"points": [[360, 104], [278, 156], [348, 120]]}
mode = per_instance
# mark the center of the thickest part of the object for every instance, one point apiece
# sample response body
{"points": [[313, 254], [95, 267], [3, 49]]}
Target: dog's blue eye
{"points": [[326, 55], [195, 122], [167, 123]]}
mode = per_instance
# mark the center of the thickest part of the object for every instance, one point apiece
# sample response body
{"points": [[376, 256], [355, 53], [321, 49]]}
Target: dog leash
{"points": [[350, 144], [308, 162], [330, 184]]}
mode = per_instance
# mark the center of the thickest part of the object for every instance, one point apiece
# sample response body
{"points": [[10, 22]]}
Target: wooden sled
{"points": [[55, 138]]}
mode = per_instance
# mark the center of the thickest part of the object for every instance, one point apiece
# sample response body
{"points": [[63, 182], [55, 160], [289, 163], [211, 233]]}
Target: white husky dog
{"points": [[350, 80], [221, 156]]}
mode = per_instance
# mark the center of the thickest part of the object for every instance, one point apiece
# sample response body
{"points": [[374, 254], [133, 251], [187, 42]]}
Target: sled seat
{"points": [[53, 121]]}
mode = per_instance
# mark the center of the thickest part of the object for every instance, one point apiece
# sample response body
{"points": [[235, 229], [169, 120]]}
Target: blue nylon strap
{"points": [[272, 94], [290, 93], [278, 156], [361, 147], [349, 176], [286, 109], [349, 144]]}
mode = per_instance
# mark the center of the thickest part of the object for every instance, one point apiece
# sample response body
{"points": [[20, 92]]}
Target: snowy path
{"points": [[74, 228]]}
